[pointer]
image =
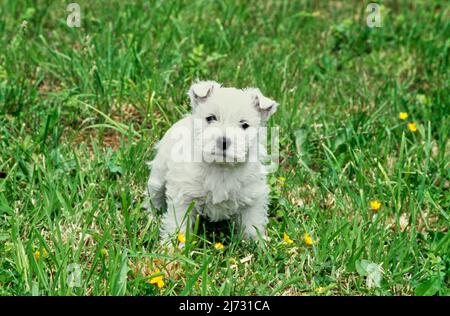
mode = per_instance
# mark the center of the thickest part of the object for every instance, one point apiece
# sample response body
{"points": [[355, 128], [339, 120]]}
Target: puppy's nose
{"points": [[223, 143]]}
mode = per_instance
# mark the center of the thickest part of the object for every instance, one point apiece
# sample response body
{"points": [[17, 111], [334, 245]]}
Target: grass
{"points": [[81, 108]]}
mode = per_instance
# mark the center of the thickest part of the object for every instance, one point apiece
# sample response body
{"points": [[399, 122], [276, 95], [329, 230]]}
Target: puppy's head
{"points": [[227, 120]]}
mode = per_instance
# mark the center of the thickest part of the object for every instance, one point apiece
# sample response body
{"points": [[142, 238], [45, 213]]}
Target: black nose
{"points": [[223, 143]]}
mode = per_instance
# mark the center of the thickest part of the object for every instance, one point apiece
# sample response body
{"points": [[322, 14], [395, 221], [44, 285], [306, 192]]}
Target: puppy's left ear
{"points": [[264, 105], [200, 91]]}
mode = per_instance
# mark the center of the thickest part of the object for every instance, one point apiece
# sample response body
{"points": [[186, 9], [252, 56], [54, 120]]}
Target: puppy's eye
{"points": [[211, 118], [244, 125]]}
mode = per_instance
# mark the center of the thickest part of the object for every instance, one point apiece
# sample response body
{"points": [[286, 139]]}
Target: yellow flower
{"points": [[103, 251], [281, 180], [412, 127], [319, 290], [375, 205], [181, 238], [308, 239], [218, 246], [403, 115], [157, 280], [37, 254], [287, 239]]}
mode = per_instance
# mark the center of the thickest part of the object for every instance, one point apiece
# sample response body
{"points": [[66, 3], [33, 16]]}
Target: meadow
{"points": [[360, 203]]}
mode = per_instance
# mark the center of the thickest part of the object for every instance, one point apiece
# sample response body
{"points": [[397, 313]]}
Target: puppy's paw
{"points": [[255, 234]]}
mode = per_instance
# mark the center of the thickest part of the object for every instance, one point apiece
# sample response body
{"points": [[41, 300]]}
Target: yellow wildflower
{"points": [[218, 246], [403, 115], [412, 127], [37, 254], [181, 238], [308, 240], [287, 239], [375, 205], [320, 290], [103, 251], [157, 280]]}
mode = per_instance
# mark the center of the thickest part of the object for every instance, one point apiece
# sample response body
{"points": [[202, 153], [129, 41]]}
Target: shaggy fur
{"points": [[212, 157]]}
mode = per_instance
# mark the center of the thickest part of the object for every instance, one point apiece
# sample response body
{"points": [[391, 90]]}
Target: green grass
{"points": [[81, 108]]}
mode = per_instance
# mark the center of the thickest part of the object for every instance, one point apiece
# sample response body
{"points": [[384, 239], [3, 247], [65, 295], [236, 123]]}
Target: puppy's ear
{"points": [[263, 104], [200, 91]]}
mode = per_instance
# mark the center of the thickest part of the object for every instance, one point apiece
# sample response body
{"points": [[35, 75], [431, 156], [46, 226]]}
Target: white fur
{"points": [[191, 168]]}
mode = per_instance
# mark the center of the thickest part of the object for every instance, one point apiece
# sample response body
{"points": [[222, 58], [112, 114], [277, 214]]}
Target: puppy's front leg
{"points": [[253, 220], [176, 220]]}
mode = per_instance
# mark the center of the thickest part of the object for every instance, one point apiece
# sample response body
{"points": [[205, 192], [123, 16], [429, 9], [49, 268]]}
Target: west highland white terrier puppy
{"points": [[211, 162]]}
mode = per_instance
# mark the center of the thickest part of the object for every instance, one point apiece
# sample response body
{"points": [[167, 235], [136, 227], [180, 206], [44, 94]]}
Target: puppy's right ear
{"points": [[200, 91]]}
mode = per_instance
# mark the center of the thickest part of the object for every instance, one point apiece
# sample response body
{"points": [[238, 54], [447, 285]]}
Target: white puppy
{"points": [[211, 159]]}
